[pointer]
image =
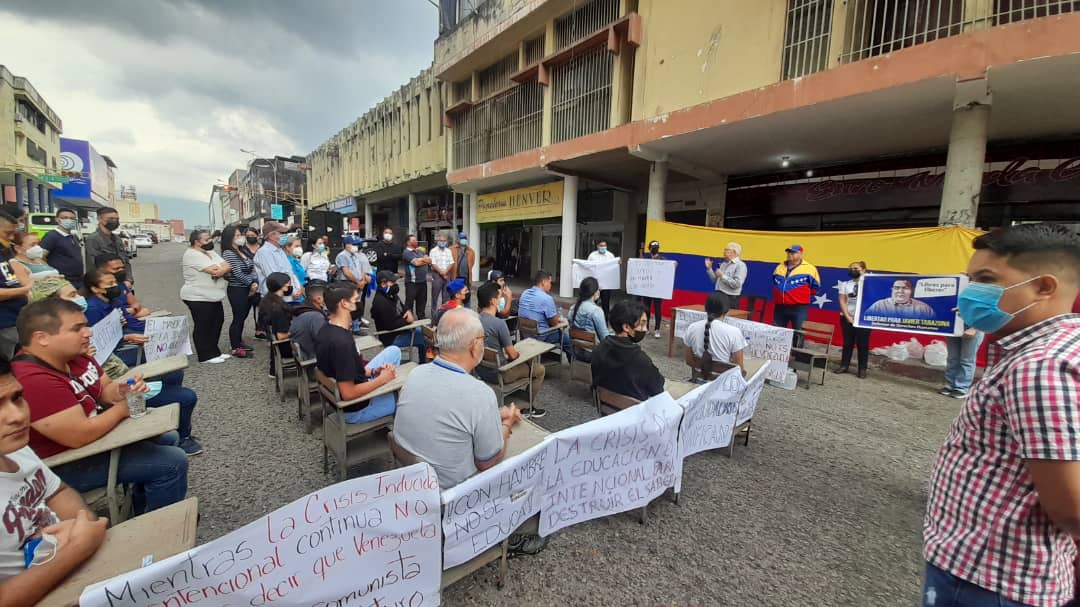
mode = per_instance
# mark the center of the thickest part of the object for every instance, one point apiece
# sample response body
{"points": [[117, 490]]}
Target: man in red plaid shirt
{"points": [[1004, 500]]}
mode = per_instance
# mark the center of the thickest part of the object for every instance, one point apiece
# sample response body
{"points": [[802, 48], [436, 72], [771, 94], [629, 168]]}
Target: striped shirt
{"points": [[241, 268], [984, 522]]}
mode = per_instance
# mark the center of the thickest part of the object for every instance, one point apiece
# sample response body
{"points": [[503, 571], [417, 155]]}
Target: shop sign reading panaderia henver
{"points": [[534, 202]]}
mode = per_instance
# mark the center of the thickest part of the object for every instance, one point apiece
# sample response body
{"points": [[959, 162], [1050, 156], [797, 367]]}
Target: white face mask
{"points": [[387, 237], [350, 248], [297, 251], [35, 252]]}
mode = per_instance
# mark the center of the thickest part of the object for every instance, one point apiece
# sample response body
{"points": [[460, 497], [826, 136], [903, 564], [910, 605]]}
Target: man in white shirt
{"points": [[731, 275], [602, 254], [442, 262]]}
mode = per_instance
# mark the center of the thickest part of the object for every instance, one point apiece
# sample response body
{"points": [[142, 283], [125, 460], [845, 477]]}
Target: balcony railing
{"points": [[581, 95], [501, 126], [807, 37]]}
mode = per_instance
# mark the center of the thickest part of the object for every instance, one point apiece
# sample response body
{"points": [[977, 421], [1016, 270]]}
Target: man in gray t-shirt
{"points": [[497, 337], [447, 417]]}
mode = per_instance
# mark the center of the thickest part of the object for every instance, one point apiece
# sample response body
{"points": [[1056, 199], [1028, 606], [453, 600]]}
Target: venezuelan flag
{"points": [[910, 250]]}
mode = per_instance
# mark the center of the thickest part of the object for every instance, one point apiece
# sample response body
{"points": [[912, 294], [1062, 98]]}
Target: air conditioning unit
{"points": [[18, 118]]}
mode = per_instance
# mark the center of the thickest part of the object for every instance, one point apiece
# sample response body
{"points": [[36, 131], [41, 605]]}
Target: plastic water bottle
{"points": [[136, 400]]}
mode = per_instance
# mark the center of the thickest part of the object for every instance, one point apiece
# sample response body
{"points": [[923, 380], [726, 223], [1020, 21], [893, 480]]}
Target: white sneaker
{"points": [[215, 360], [226, 356], [656, 334]]}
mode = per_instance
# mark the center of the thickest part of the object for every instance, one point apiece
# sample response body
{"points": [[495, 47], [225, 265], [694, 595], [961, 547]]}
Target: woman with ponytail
{"points": [[713, 339], [587, 316]]}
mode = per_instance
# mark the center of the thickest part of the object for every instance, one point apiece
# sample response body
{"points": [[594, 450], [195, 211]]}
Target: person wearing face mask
{"points": [[204, 288], [390, 316], [127, 300], [104, 241], [416, 277], [296, 252], [242, 285], [353, 266], [316, 262], [1004, 492], [15, 285], [276, 315], [387, 253], [63, 250], [442, 262], [30, 255], [854, 337], [102, 296], [458, 292], [272, 257], [464, 257], [588, 316], [506, 295], [654, 305], [619, 364], [602, 254], [308, 318], [337, 358]]}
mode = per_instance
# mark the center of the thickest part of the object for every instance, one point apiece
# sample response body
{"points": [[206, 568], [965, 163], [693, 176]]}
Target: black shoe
{"points": [[534, 412], [525, 544], [840, 370], [862, 374]]}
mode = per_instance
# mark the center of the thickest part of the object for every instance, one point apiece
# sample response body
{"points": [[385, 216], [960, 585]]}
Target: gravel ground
{"points": [[824, 507]]}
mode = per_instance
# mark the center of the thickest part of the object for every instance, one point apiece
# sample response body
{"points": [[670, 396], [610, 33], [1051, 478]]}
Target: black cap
{"points": [[385, 276]]}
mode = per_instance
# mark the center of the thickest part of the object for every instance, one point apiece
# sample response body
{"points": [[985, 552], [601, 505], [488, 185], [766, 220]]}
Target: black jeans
{"points": [[240, 302], [854, 337], [208, 317], [651, 304], [416, 298], [605, 301]]}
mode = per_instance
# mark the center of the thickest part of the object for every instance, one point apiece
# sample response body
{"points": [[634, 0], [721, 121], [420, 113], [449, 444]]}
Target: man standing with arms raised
{"points": [[105, 242]]}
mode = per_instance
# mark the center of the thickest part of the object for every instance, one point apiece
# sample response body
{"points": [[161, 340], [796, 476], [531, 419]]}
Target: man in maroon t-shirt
{"points": [[73, 403]]}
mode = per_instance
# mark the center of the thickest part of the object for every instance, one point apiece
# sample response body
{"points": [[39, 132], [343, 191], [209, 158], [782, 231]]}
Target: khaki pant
{"points": [[522, 371]]}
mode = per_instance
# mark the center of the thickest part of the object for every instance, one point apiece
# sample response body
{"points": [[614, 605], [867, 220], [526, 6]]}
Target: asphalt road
{"points": [[824, 508]]}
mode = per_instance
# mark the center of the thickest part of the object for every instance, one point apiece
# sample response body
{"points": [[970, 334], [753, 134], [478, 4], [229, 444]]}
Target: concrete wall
{"points": [[699, 50], [400, 139], [13, 135]]}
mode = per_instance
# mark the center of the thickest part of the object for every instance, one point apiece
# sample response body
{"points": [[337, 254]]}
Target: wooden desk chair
{"points": [[351, 444], [305, 386], [407, 350], [528, 327], [698, 371], [743, 314], [608, 401], [581, 341], [501, 387], [752, 307], [431, 337], [808, 358], [281, 365], [126, 348]]}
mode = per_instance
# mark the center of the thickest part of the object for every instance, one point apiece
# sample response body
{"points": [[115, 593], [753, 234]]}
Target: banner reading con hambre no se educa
{"points": [[912, 303]]}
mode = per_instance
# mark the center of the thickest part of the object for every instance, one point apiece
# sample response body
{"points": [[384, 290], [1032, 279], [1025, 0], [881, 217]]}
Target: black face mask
{"points": [[392, 290], [288, 291], [208, 246], [121, 276], [253, 240], [112, 224], [637, 336], [112, 293], [854, 274], [654, 250]]}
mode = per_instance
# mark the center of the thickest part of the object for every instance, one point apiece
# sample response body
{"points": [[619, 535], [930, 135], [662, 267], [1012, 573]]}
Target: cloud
{"points": [[171, 90]]}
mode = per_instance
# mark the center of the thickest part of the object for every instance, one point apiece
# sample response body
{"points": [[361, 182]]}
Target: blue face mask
{"points": [[978, 306], [602, 249], [283, 239], [502, 304], [442, 244], [80, 301], [464, 242]]}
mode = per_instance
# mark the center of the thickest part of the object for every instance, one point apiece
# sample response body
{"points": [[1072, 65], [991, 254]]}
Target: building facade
{"points": [[388, 168], [90, 178], [31, 167]]}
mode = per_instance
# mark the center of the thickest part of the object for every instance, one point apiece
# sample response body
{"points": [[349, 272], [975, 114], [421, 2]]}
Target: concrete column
{"points": [[412, 213], [20, 193], [626, 205], [569, 236], [41, 204], [31, 196], [50, 201], [466, 213], [964, 166], [367, 220], [474, 235], [657, 190]]}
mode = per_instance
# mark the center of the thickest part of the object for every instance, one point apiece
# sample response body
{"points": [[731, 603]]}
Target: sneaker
{"points": [[241, 353], [244, 346], [365, 322], [215, 360], [226, 356], [534, 412], [946, 391], [656, 334], [526, 544], [959, 394], [191, 446], [271, 376], [260, 335]]}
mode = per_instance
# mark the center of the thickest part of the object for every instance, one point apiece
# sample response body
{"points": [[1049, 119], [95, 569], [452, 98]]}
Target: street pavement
{"points": [[823, 508]]}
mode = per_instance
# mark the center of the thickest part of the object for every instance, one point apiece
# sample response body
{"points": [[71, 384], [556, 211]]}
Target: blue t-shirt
{"points": [[97, 308], [537, 305], [64, 254]]}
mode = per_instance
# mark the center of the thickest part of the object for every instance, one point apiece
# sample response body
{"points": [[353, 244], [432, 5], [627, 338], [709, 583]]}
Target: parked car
{"points": [[142, 241], [153, 237], [129, 243]]}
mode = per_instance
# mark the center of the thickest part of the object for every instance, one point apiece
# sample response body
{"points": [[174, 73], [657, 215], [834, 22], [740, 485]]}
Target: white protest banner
{"points": [[709, 415], [168, 336], [485, 509], [650, 277], [605, 272], [367, 541], [684, 317], [612, 464], [751, 395], [107, 334], [766, 342]]}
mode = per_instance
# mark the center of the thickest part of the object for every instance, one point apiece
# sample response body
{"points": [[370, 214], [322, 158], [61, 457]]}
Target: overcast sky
{"points": [[172, 89]]}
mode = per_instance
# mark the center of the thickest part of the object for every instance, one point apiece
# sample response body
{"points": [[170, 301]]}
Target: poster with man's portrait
{"points": [[913, 303]]}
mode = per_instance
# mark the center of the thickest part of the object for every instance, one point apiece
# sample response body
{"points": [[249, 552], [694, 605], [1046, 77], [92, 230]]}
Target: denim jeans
{"points": [[380, 406], [943, 589], [553, 338], [960, 366], [158, 469], [173, 391], [793, 314], [416, 337]]}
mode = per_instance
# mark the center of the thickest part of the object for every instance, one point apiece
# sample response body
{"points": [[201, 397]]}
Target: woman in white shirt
{"points": [[204, 288], [714, 339], [316, 262], [853, 336]]}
